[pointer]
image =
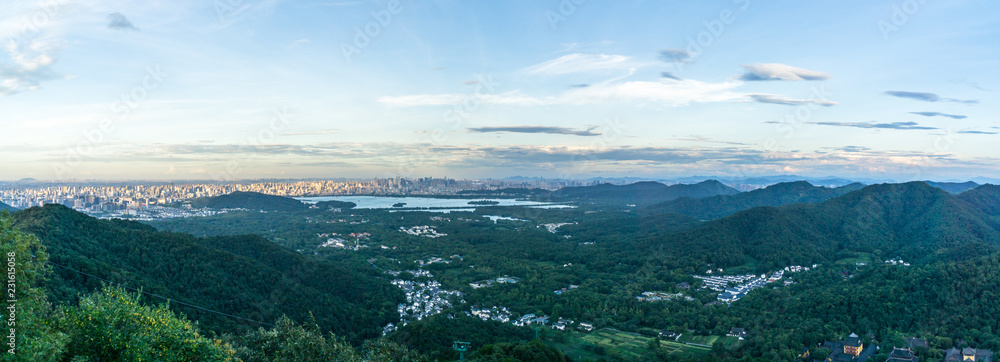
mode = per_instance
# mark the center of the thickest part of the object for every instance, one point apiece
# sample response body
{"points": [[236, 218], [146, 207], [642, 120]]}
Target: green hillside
{"points": [[775, 195], [913, 220], [250, 201], [641, 193], [246, 276], [4, 206]]}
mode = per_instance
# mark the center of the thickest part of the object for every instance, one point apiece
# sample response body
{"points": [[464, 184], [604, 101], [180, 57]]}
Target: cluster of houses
{"points": [[435, 260], [343, 244], [416, 273], [661, 296], [897, 261], [553, 226], [566, 289], [336, 242], [422, 230], [734, 287], [423, 299], [501, 280], [854, 349], [499, 314], [503, 315], [532, 319]]}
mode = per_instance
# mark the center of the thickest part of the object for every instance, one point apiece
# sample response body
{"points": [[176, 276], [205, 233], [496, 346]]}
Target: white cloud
{"points": [[775, 71], [30, 63], [777, 99], [673, 93], [580, 63]]}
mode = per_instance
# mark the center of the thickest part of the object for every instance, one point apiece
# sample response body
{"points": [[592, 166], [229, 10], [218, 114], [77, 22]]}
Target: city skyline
{"points": [[232, 90]]}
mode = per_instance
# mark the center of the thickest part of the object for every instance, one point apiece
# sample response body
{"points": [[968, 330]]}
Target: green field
{"points": [[858, 258], [726, 341], [625, 345]]}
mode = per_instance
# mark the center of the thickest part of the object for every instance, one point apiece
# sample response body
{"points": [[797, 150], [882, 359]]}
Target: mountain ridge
{"points": [[913, 220], [784, 193]]}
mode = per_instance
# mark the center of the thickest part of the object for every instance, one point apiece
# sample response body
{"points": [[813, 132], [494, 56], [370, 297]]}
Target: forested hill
{"points": [[775, 195], [246, 276], [641, 193], [954, 187], [912, 220], [4, 206], [985, 198], [250, 201]]}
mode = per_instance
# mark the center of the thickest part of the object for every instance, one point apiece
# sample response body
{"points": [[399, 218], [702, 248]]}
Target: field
{"points": [[628, 346], [726, 341]]}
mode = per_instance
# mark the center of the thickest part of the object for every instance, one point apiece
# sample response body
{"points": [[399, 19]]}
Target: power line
{"points": [[162, 297]]}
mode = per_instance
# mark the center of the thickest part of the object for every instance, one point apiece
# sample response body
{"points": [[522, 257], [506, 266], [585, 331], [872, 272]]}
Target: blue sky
{"points": [[235, 89]]}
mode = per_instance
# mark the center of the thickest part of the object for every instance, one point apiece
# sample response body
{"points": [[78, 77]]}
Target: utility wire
{"points": [[162, 297]]}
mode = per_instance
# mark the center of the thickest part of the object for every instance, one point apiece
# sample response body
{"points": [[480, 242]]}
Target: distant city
{"points": [[153, 199]]}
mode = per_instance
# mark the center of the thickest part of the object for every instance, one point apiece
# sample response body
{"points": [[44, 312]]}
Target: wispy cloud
{"points": [[777, 99], [118, 21], [978, 132], [927, 97], [669, 75], [938, 114], [876, 125], [580, 63], [775, 71], [672, 93], [313, 133], [676, 56], [537, 129], [852, 149]]}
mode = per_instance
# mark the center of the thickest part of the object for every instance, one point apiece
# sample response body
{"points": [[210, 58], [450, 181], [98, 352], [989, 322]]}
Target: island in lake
{"points": [[484, 202], [399, 204]]}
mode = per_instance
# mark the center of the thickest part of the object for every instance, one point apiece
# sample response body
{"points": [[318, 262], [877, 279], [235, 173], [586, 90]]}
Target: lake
{"points": [[386, 202]]}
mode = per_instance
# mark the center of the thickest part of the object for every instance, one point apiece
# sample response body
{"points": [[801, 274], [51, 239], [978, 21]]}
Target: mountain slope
{"points": [[251, 201], [247, 276], [954, 187], [775, 195], [4, 206], [986, 198], [913, 220], [641, 193]]}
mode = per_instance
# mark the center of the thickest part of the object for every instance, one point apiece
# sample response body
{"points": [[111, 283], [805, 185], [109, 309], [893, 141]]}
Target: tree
{"points": [[36, 339], [112, 325], [289, 341]]}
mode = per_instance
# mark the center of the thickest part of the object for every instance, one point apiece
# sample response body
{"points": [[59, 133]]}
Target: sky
{"points": [[242, 89]]}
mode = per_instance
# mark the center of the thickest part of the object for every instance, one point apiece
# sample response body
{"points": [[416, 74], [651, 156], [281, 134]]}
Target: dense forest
{"points": [[640, 193], [245, 275], [775, 195], [250, 201]]}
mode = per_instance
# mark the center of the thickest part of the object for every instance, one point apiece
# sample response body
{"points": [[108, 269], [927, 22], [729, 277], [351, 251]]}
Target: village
{"points": [[734, 287], [422, 230]]}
